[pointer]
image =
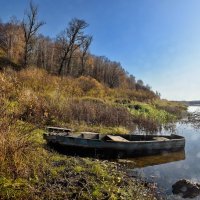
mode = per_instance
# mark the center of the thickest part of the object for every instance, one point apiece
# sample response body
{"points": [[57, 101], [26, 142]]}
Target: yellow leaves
{"points": [[90, 61], [91, 86], [5, 83], [2, 53], [46, 114]]}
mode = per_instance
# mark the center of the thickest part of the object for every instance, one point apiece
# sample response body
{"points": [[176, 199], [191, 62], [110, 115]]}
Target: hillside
{"points": [[34, 96], [32, 99], [58, 82], [21, 46]]}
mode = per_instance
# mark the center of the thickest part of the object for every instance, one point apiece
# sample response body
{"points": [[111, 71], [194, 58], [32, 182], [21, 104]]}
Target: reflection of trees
{"points": [[156, 128], [193, 119], [171, 127]]}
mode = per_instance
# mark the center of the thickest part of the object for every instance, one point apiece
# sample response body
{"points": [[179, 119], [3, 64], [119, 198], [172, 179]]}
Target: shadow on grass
{"points": [[5, 62]]}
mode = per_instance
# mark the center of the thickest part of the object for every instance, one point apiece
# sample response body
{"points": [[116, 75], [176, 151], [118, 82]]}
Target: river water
{"points": [[167, 169]]}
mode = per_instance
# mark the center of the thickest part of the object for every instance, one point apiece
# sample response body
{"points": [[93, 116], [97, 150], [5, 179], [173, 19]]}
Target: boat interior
{"points": [[125, 137], [110, 137]]}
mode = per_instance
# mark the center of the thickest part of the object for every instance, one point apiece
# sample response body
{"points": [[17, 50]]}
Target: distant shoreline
{"points": [[191, 103]]}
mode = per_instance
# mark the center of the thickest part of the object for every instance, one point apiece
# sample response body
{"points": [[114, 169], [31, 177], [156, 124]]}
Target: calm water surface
{"points": [[167, 169]]}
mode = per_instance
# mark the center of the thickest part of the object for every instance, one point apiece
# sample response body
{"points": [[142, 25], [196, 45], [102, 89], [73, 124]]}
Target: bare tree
{"points": [[30, 27], [70, 40], [85, 46], [11, 40], [4, 42]]}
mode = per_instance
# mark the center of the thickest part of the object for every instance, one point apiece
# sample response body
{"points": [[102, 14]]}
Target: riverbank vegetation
{"points": [[47, 82], [35, 96], [29, 171], [32, 99]]}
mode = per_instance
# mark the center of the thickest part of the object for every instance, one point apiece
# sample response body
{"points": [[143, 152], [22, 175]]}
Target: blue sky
{"points": [[158, 41]]}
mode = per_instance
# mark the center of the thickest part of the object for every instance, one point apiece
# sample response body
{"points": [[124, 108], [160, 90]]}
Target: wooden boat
{"points": [[111, 145]]}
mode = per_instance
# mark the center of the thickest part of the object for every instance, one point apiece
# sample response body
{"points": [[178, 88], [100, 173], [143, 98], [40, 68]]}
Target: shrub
{"points": [[19, 156], [98, 113], [90, 86]]}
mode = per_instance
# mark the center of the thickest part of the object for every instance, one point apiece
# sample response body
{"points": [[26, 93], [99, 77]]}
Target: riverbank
{"points": [[36, 172], [32, 99]]}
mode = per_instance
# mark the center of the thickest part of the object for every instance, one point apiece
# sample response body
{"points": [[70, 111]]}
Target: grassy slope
{"points": [[32, 99]]}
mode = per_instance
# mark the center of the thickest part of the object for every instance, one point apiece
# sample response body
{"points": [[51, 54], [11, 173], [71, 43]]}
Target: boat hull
{"points": [[99, 148]]}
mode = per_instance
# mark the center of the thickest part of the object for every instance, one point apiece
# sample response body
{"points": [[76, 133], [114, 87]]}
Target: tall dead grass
{"points": [[98, 113], [19, 155]]}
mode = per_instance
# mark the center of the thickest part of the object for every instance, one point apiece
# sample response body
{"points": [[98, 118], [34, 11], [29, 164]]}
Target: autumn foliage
{"points": [[57, 82]]}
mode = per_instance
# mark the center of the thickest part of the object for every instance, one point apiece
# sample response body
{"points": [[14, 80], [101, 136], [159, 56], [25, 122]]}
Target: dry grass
{"points": [[19, 156], [33, 98]]}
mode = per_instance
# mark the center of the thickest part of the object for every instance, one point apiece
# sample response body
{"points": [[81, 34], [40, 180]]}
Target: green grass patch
{"points": [[148, 111]]}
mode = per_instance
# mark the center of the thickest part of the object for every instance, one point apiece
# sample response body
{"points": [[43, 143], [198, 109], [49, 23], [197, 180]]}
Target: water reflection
{"points": [[184, 166], [158, 159], [169, 128], [193, 118]]}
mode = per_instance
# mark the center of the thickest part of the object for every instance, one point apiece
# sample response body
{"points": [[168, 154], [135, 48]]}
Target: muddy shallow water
{"points": [[167, 169]]}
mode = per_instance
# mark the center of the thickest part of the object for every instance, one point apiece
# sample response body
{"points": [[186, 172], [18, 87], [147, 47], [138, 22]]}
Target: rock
{"points": [[186, 188]]}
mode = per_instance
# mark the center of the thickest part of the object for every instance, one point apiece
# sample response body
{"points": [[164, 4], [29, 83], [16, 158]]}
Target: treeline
{"points": [[22, 46]]}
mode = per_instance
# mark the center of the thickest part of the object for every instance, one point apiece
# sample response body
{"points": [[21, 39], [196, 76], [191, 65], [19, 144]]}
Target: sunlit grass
{"points": [[32, 99]]}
